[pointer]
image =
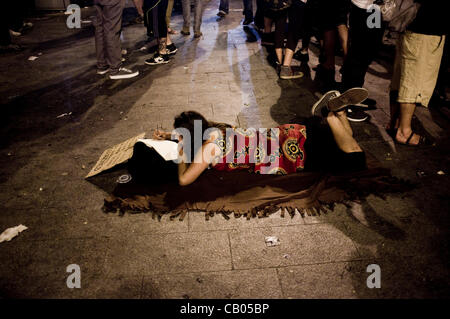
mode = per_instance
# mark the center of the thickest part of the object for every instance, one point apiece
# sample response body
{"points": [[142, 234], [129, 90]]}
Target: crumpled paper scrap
{"points": [[12, 232]]}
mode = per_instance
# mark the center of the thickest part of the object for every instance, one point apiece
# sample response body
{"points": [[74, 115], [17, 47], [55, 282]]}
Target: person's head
{"points": [[190, 120]]}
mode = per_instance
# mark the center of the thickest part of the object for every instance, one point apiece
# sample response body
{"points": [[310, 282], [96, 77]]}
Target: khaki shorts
{"points": [[416, 67]]}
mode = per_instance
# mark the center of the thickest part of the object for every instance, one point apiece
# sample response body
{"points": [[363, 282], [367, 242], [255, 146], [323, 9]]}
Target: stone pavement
{"points": [[227, 78]]}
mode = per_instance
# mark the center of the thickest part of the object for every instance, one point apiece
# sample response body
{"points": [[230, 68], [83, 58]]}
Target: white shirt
{"points": [[363, 4]]}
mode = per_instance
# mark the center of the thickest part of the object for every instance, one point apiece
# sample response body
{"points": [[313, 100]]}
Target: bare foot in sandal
{"points": [[409, 138]]}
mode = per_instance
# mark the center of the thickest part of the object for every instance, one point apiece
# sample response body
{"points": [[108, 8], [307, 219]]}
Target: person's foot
{"points": [[158, 59], [302, 56], [103, 70], [286, 73], [222, 13], [247, 21], [321, 106], [171, 49], [185, 31], [123, 73], [355, 114], [409, 138], [171, 31], [197, 34], [267, 39], [350, 97]]}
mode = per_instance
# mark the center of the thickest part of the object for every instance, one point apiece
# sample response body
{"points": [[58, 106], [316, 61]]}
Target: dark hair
{"points": [[186, 120]]}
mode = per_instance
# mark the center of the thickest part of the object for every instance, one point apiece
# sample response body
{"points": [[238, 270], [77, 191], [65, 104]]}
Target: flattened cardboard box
{"points": [[115, 155]]}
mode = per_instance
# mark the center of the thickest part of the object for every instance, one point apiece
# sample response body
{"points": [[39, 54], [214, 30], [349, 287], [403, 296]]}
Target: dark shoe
{"points": [[123, 73], [286, 73], [197, 34], [322, 103], [139, 20], [171, 49], [351, 97], [222, 13], [185, 31], [247, 21], [370, 103], [299, 56], [103, 70], [355, 114], [158, 59]]}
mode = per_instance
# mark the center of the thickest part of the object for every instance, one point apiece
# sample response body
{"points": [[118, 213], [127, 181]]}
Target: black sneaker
{"points": [[123, 73], [171, 49], [300, 56], [221, 13], [370, 103], [103, 70], [247, 21], [354, 114], [158, 59]]}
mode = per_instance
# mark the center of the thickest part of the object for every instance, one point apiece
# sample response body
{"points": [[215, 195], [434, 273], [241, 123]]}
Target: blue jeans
{"points": [[248, 7]]}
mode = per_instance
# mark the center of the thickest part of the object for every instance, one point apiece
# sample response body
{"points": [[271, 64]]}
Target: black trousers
{"points": [[295, 15], [155, 18], [363, 46]]}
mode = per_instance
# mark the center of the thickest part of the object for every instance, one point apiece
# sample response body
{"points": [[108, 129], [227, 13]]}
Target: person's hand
{"points": [[159, 135]]}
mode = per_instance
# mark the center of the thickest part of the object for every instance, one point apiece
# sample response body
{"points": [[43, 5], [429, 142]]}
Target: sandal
{"points": [[422, 139], [350, 97], [171, 31]]}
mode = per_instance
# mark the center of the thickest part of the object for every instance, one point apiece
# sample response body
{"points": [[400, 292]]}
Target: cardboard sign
{"points": [[115, 155]]}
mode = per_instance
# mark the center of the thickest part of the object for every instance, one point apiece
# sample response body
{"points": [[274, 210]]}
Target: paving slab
{"points": [[243, 284], [299, 244]]}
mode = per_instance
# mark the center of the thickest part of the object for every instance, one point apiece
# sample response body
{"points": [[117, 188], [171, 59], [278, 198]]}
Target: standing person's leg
{"points": [[259, 15], [165, 45], [100, 39], [364, 44], [198, 18], [280, 19], [139, 6], [343, 39], [186, 4], [295, 15], [248, 11], [169, 16], [112, 25], [419, 58]]}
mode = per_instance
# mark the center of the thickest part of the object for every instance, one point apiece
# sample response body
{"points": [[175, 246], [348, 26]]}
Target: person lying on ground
{"points": [[287, 149]]}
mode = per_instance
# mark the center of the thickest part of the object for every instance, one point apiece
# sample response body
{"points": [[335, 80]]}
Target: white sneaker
{"points": [[123, 73]]}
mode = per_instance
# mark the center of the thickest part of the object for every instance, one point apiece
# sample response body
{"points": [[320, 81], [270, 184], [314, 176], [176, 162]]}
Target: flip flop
{"points": [[171, 31], [422, 139], [352, 96]]}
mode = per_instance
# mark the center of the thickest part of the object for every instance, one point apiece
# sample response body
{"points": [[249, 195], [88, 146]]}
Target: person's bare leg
{"points": [[139, 4], [162, 49], [343, 38], [342, 116], [279, 53], [343, 138], [288, 57], [329, 42], [405, 129]]}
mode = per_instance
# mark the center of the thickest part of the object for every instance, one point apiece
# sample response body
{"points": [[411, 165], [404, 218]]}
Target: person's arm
{"points": [[187, 174]]}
